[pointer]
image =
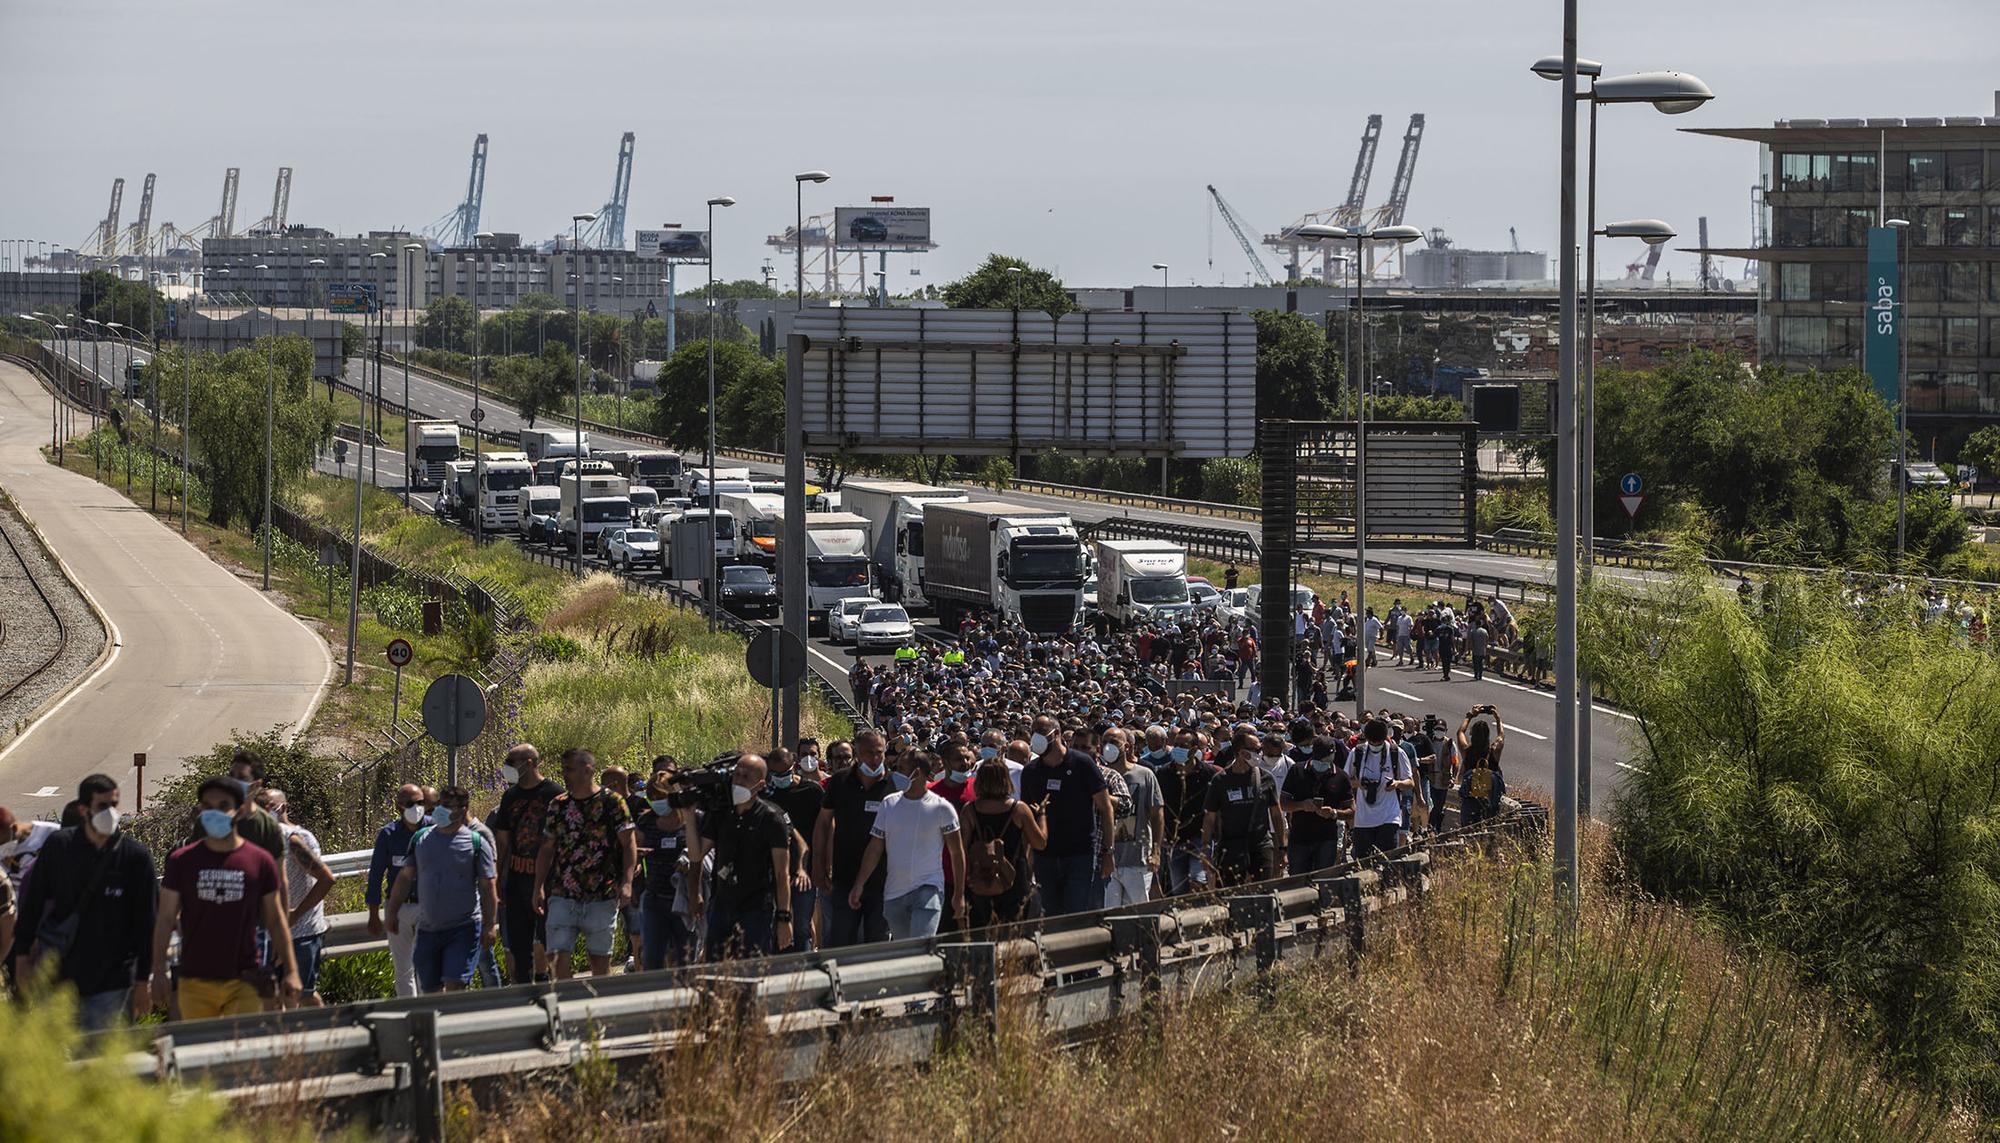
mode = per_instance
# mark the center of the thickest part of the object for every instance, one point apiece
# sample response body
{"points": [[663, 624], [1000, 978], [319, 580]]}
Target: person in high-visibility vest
{"points": [[954, 657], [906, 654]]}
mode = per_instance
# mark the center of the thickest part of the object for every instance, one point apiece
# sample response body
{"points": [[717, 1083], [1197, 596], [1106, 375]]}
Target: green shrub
{"points": [[366, 976]]}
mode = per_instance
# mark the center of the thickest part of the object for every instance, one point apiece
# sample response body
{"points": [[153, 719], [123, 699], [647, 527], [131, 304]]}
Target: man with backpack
{"points": [[87, 913], [1380, 772], [1242, 830], [453, 869]]}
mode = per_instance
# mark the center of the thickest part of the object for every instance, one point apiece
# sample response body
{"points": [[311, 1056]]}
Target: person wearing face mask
{"points": [[454, 868], [800, 797], [992, 744], [392, 852], [307, 882], [1380, 772], [663, 832], [1320, 798], [840, 836], [1183, 792], [517, 836], [905, 841], [1065, 787], [810, 770], [751, 910], [1137, 829], [215, 892], [1242, 828], [87, 913]]}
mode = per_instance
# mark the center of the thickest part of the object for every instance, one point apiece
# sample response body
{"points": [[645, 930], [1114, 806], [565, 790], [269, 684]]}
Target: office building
{"points": [[1825, 183], [291, 281]]}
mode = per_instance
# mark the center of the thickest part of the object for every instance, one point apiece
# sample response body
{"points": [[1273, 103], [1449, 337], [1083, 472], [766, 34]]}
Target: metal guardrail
{"points": [[387, 1063], [1645, 554], [1137, 499]]}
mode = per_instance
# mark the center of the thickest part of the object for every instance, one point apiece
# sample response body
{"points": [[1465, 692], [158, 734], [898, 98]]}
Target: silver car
{"points": [[843, 620]]}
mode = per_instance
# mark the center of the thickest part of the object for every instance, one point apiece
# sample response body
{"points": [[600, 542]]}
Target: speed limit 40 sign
{"points": [[400, 653]]}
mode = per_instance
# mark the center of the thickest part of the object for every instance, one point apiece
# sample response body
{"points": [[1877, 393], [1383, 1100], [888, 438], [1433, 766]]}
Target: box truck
{"points": [[548, 444], [1003, 561], [837, 557], [758, 519], [894, 510], [428, 447], [604, 502], [1141, 581]]}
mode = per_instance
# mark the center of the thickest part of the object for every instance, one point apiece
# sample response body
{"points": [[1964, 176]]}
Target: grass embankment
{"points": [[1472, 1017]]}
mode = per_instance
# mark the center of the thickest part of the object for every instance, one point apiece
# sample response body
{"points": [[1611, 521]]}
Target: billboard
{"points": [[891, 227], [1001, 382], [350, 298], [1883, 341], [674, 243]]}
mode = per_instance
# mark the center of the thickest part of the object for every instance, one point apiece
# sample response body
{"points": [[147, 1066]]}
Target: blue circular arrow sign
{"points": [[1630, 484]]}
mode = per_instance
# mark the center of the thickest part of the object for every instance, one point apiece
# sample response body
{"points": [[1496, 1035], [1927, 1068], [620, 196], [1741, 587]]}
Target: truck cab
{"points": [[894, 510], [1021, 565], [502, 481], [837, 561], [1142, 581], [429, 446], [657, 469], [596, 500], [759, 517]]}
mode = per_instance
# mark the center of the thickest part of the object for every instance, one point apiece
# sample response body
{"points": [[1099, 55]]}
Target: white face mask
{"points": [[509, 775], [1039, 743], [1111, 752], [105, 821], [740, 794], [414, 814]]}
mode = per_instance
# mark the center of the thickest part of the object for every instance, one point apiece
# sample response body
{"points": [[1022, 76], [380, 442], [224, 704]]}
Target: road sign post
{"points": [[454, 714], [400, 655], [776, 659], [139, 781]]}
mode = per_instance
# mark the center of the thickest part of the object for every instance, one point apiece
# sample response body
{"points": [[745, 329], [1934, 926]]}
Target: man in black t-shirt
{"points": [[666, 939], [840, 837], [517, 832], [750, 911], [1241, 826], [1065, 787], [1319, 797], [1184, 795], [801, 799]]}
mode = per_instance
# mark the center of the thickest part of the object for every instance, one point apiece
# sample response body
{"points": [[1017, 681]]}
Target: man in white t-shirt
{"points": [[19, 842], [914, 833], [307, 882], [1380, 771]]}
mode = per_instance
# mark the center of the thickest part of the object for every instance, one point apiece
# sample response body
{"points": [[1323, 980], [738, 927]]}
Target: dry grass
{"points": [[1469, 1019]]}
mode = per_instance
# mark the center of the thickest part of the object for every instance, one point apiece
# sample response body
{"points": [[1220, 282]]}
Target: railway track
{"points": [[14, 631]]}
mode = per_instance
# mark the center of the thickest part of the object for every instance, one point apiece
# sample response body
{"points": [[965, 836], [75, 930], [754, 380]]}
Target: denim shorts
{"points": [[593, 919], [446, 955], [307, 951]]}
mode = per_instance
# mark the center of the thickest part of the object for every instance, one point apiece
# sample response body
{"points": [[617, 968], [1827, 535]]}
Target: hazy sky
{"points": [[1078, 134]]}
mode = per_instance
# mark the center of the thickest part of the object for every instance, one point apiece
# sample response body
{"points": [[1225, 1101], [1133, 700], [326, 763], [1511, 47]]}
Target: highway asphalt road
{"points": [[1528, 711], [197, 652]]}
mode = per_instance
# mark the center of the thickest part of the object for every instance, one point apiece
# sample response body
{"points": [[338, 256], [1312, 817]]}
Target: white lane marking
{"points": [[44, 792], [1596, 706], [1629, 766], [1531, 734], [1399, 694]]}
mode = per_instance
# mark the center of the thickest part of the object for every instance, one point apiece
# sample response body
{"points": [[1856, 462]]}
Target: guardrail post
{"points": [[426, 1077], [1259, 913], [1408, 872], [1136, 942], [975, 967], [1347, 888]]}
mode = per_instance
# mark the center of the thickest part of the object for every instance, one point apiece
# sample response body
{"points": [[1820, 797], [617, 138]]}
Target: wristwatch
{"points": [[781, 915]]}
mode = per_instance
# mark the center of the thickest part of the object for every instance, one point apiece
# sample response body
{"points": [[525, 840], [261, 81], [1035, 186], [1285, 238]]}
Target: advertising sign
{"points": [[893, 227], [1884, 301], [350, 298], [675, 243]]}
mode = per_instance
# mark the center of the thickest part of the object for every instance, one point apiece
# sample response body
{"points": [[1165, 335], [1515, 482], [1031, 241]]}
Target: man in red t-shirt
{"points": [[217, 891]]}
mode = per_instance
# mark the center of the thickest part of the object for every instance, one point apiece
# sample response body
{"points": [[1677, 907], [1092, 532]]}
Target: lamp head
{"points": [[1394, 234], [722, 200], [1551, 67], [1159, 265], [1896, 223], [583, 218], [811, 177], [1651, 231], [1317, 232], [1670, 92]]}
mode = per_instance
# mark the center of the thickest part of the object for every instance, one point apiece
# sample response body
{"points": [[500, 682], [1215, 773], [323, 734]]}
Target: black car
{"points": [[868, 228], [748, 589]]}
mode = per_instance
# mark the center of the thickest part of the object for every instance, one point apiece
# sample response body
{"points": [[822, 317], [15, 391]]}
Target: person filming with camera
{"points": [[750, 906], [1380, 770]]}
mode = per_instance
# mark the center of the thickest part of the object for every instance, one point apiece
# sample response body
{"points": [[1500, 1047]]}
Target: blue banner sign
{"points": [[1883, 342]]}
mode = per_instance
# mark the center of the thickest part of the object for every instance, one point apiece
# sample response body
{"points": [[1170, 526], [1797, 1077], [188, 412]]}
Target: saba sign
{"points": [[1884, 301]]}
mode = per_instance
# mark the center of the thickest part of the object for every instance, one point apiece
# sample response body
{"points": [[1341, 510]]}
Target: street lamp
{"points": [[312, 300], [55, 421], [799, 227], [721, 200], [270, 418], [1362, 236], [1162, 268], [479, 412], [1671, 93], [576, 223], [410, 250]]}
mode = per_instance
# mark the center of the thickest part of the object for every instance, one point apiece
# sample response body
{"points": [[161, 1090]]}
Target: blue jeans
{"points": [[101, 1010], [849, 926], [740, 932], [1068, 884], [307, 952], [446, 956], [664, 936], [914, 914], [1311, 856], [804, 903]]}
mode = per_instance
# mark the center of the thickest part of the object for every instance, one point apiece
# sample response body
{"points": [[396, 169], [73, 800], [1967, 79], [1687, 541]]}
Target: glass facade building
{"points": [[1824, 183]]}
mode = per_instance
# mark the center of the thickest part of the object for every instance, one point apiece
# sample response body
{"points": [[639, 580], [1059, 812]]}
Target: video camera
{"points": [[705, 788]]}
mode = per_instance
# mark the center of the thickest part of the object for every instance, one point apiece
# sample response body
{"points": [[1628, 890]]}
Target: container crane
{"points": [[1235, 225], [138, 237], [1390, 213], [608, 232], [281, 201], [106, 238], [1348, 213], [457, 226]]}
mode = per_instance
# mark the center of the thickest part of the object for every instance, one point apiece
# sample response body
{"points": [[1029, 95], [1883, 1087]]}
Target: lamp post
{"points": [[270, 417], [709, 300], [55, 431], [576, 223], [1162, 268], [96, 393], [799, 182], [1670, 93], [1361, 236], [410, 251], [478, 411]]}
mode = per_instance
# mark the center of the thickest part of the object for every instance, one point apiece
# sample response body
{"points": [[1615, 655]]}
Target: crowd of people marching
{"points": [[998, 777]]}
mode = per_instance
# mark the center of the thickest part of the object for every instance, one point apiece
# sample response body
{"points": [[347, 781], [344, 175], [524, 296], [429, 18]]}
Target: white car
{"points": [[1235, 604], [1253, 608], [633, 547], [1203, 595], [845, 618], [883, 625]]}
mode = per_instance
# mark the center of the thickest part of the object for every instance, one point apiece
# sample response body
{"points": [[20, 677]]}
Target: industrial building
{"points": [[1824, 183], [1442, 266], [302, 261]]}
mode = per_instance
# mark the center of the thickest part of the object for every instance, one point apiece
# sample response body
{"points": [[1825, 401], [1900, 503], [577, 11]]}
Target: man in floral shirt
{"points": [[584, 869]]}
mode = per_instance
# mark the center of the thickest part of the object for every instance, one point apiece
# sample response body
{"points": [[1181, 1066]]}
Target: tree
{"points": [[226, 402], [753, 406], [353, 341], [680, 414], [537, 383], [1004, 283], [1294, 368], [1982, 450], [448, 324], [107, 297]]}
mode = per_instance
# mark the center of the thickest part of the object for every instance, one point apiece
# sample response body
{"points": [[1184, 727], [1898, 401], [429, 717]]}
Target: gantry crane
{"points": [[608, 232], [281, 201], [461, 222], [105, 241], [138, 237], [1390, 213], [1243, 239], [1348, 213]]}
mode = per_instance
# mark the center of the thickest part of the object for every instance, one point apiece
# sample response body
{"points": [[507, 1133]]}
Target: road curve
{"points": [[196, 652]]}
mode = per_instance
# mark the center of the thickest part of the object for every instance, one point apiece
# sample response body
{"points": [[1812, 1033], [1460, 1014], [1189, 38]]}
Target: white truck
{"points": [[604, 500], [540, 504], [428, 447], [995, 560], [837, 558], [547, 444], [459, 492], [894, 510], [1141, 581], [503, 479], [728, 481], [758, 520], [648, 468], [685, 537]]}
